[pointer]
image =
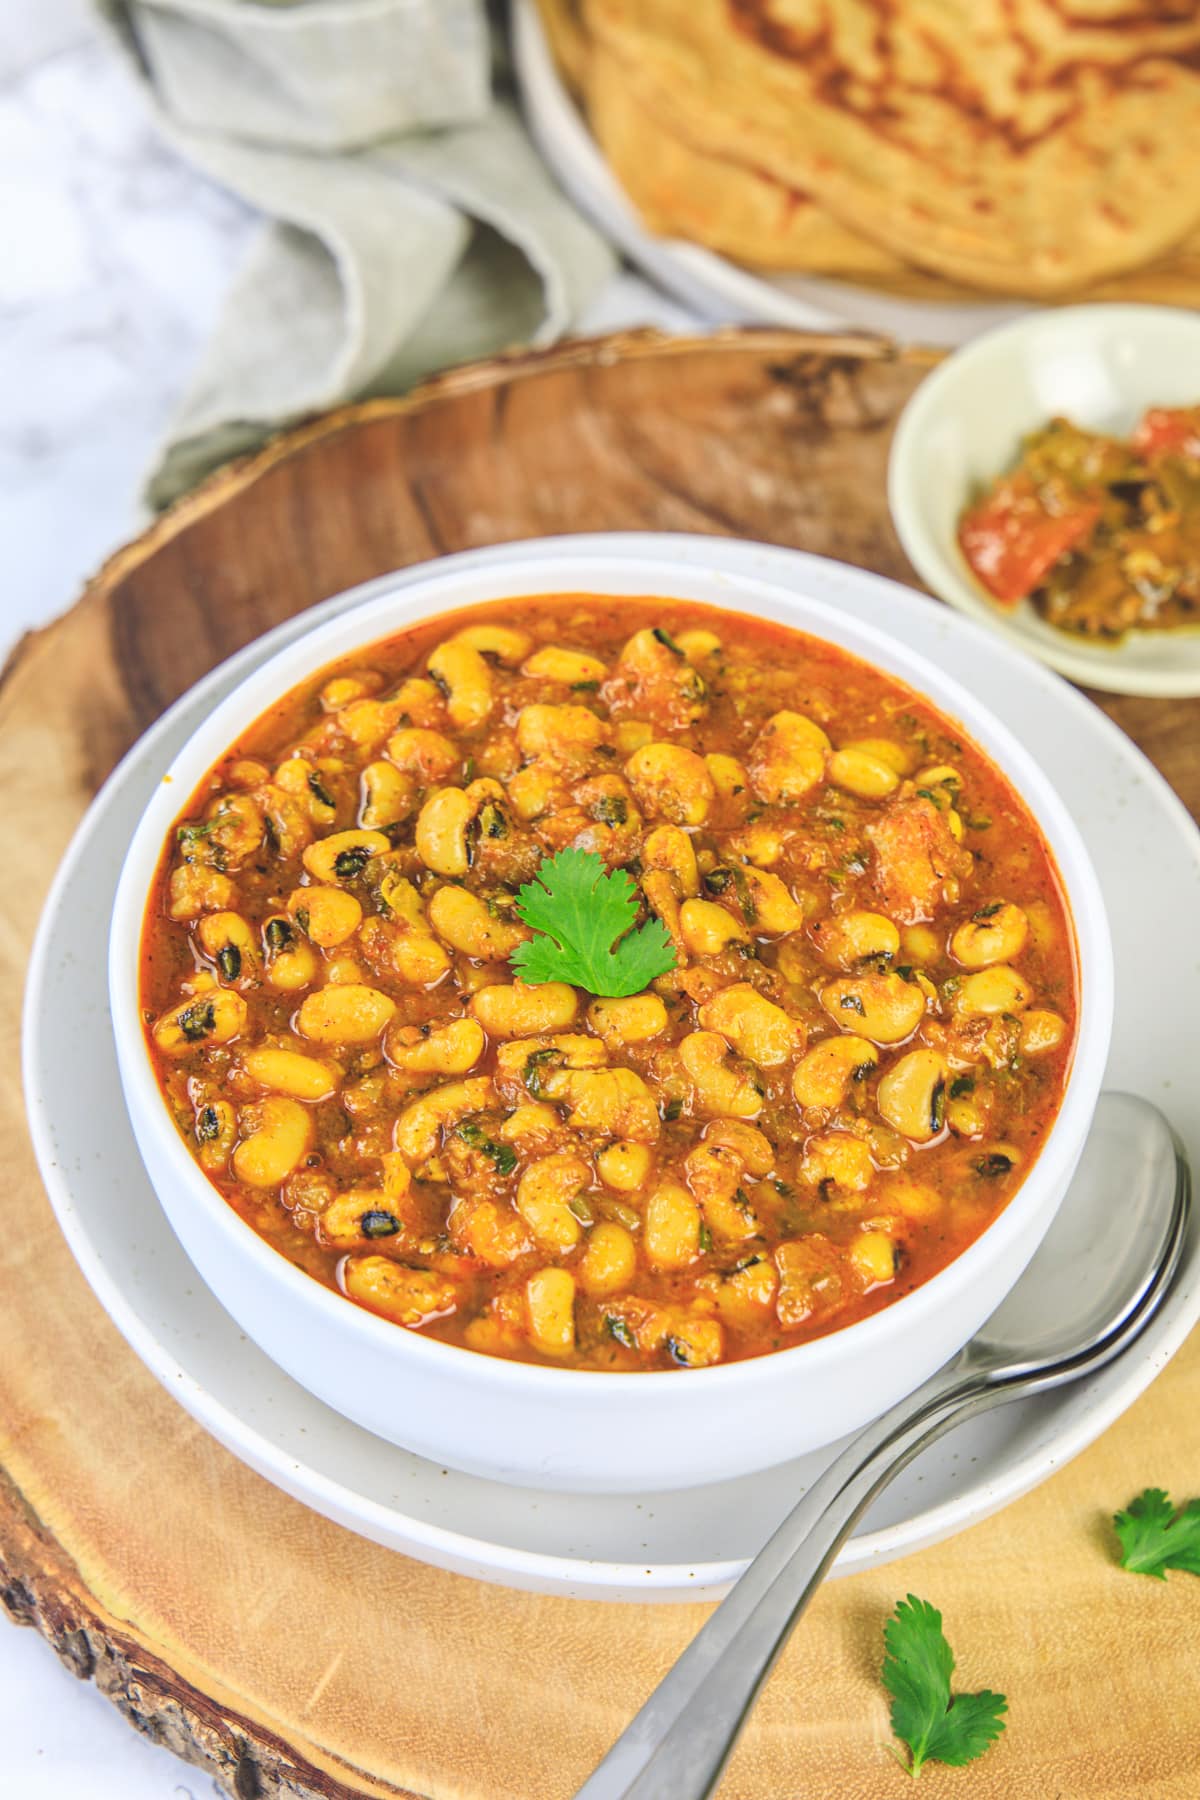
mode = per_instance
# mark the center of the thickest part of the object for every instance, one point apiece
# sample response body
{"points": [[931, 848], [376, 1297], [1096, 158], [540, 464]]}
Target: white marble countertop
{"points": [[116, 257]]}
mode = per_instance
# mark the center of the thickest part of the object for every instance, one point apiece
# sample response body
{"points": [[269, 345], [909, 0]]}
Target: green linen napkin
{"points": [[411, 224]]}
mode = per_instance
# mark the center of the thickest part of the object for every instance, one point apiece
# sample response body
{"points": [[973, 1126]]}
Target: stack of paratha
{"points": [[937, 148]]}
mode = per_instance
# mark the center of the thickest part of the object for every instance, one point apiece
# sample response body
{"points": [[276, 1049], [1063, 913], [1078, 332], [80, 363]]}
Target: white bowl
{"points": [[575, 1429], [1101, 367]]}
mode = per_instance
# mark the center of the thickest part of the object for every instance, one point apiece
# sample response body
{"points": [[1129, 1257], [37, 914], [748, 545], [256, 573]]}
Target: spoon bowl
{"points": [[1097, 1263]]}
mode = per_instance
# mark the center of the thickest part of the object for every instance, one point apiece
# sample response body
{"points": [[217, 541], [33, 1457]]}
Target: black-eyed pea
{"points": [[920, 944], [530, 1124], [442, 831], [698, 645], [349, 1013], [729, 776], [966, 1116], [858, 772], [671, 1236], [872, 1255], [707, 928], [624, 1166], [671, 782], [996, 1160], [498, 643], [559, 734], [991, 991], [411, 1297], [746, 1141], [823, 1075], [229, 942], [533, 791], [343, 855], [297, 777], [838, 1159], [342, 689], [847, 939], [468, 924], [544, 1196], [419, 1127], [762, 844], [609, 1260], [771, 904], [385, 796], [466, 681], [515, 1010], [670, 850], [278, 1135], [634, 1020], [290, 1072], [747, 1294], [753, 1026], [541, 1065], [217, 1015], [291, 962], [215, 1129], [571, 667], [366, 721], [912, 1095], [356, 1217], [613, 1103], [695, 1342], [196, 888], [326, 915], [714, 1173], [550, 1311], [941, 783], [342, 970], [1041, 1031], [885, 750], [885, 1008], [994, 934], [423, 756], [450, 1049], [722, 1085], [787, 759]]}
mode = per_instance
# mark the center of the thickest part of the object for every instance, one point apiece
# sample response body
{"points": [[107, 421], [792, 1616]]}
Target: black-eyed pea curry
{"points": [[798, 997]]}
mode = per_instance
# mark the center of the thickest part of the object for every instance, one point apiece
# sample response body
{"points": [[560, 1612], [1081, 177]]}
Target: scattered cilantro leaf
{"points": [[585, 915], [936, 1725], [1155, 1538]]}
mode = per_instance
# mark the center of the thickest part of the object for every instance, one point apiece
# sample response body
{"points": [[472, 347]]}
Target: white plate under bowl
{"points": [[1100, 367], [645, 1547], [711, 284]]}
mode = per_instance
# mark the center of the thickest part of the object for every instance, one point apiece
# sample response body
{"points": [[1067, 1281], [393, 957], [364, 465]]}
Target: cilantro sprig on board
{"points": [[936, 1725], [584, 916], [1155, 1537]]}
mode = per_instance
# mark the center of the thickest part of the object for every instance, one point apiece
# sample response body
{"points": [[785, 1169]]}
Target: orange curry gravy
{"points": [[849, 1072]]}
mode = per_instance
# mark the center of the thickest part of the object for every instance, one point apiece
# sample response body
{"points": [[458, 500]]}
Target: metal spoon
{"points": [[1097, 1278]]}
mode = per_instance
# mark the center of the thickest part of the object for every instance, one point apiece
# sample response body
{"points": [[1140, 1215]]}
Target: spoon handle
{"points": [[678, 1744]]}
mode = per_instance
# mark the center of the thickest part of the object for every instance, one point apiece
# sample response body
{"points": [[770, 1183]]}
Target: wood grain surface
{"points": [[286, 1655]]}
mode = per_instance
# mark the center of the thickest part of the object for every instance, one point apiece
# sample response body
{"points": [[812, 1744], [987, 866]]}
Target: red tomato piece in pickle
{"points": [[1011, 541]]}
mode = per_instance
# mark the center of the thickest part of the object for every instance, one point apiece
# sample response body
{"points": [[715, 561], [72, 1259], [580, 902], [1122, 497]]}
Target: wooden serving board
{"points": [[226, 1620]]}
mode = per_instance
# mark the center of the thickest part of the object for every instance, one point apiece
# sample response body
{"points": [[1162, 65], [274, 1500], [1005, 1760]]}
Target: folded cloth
{"points": [[411, 222]]}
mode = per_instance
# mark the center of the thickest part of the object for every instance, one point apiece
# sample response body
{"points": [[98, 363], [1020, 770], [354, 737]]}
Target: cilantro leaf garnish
{"points": [[1155, 1538], [936, 1725], [584, 915]]}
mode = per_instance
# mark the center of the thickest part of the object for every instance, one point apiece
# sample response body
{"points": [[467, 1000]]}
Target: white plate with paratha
{"points": [[893, 298]]}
